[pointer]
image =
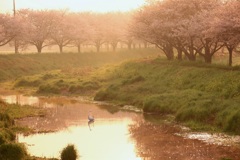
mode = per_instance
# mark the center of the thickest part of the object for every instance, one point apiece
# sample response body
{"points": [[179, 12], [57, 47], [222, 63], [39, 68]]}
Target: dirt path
{"points": [[159, 142]]}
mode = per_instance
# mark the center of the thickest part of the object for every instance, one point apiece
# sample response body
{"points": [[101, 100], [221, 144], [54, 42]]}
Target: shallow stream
{"points": [[115, 134]]}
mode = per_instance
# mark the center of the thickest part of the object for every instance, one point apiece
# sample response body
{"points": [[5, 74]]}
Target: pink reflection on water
{"points": [[20, 99], [108, 139]]}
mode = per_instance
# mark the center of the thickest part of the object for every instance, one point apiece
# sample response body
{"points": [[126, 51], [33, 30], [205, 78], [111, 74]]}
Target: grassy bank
{"points": [[13, 66], [9, 149], [199, 95]]}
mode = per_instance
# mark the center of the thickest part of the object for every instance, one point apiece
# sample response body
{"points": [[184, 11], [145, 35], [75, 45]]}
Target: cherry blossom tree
{"points": [[129, 37], [61, 27], [209, 40], [81, 29], [98, 30], [20, 30], [7, 29], [115, 28], [182, 24], [154, 23], [227, 26], [39, 23]]}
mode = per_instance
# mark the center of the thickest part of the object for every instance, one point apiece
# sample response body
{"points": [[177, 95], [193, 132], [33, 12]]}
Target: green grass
{"points": [[9, 149], [13, 66], [16, 111], [193, 92]]}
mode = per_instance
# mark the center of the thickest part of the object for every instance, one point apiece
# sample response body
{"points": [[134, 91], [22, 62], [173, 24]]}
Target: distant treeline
{"points": [[43, 28]]}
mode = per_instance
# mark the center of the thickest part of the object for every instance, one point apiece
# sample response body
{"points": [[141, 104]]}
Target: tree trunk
{"points": [[207, 56], [16, 46], [179, 56], [192, 57], [98, 47], [79, 48], [114, 46], [134, 45], [189, 54], [121, 45], [39, 49], [168, 50], [129, 45], [61, 48], [16, 50], [107, 46], [145, 44], [230, 51]]}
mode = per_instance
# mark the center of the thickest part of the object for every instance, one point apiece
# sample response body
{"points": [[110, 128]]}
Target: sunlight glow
{"points": [[73, 5], [107, 141]]}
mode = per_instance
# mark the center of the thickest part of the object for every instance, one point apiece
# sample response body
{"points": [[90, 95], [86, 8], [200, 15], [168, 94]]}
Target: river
{"points": [[115, 134]]}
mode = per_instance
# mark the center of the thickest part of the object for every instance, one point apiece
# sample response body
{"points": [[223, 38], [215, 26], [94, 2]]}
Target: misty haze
{"points": [[122, 80]]}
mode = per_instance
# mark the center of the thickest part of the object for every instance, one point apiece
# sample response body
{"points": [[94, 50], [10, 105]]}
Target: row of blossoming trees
{"points": [[42, 28], [191, 27]]}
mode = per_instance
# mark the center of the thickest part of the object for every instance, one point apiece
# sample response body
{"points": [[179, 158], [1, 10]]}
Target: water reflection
{"points": [[20, 99], [90, 120], [162, 143], [107, 138]]}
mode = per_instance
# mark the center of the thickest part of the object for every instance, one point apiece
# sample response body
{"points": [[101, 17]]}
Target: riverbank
{"points": [[201, 96], [204, 97], [9, 148]]}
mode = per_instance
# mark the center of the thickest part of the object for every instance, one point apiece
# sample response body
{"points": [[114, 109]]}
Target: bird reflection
{"points": [[90, 120]]}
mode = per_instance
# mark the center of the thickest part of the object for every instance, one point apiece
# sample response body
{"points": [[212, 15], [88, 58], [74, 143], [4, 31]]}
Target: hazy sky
{"points": [[73, 5]]}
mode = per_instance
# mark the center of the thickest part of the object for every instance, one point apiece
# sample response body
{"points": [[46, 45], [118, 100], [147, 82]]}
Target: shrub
{"points": [[6, 119], [6, 135], [86, 86], [2, 139], [158, 104], [107, 94], [133, 79], [27, 83], [233, 122], [12, 152], [90, 85], [48, 76], [200, 110], [69, 153], [75, 89], [49, 89], [101, 95]]}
